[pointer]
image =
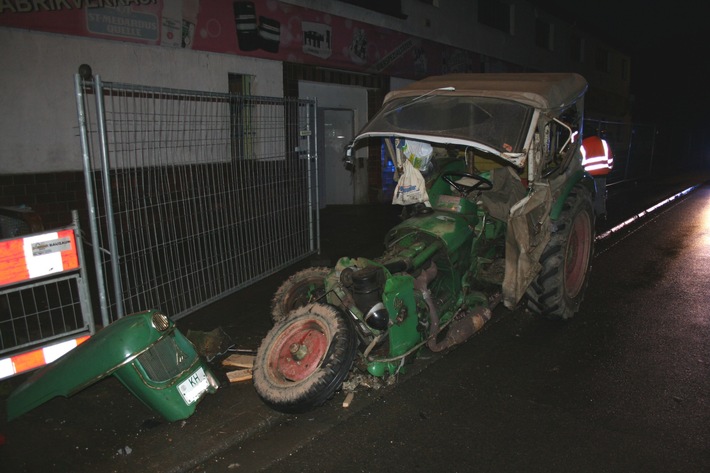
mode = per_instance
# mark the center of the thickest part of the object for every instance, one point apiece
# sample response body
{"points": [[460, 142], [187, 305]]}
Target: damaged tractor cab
{"points": [[497, 207], [145, 351]]}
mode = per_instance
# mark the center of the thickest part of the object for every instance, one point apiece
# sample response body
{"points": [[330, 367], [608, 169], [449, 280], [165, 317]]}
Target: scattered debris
{"points": [[348, 399], [216, 343], [367, 381], [125, 450], [363, 380], [239, 375], [210, 344], [238, 360]]}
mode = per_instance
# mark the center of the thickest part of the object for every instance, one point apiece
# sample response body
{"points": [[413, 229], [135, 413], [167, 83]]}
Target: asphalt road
{"points": [[622, 387]]}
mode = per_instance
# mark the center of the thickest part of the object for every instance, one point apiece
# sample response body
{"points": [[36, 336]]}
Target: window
{"points": [[497, 123], [625, 69], [496, 14], [559, 136], [240, 112], [601, 59], [240, 84], [388, 7], [543, 34], [576, 48]]}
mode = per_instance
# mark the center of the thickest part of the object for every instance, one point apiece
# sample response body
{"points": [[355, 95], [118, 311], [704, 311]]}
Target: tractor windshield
{"points": [[494, 124]]}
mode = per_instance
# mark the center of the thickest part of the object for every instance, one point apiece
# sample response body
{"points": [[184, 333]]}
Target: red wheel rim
{"points": [[299, 351], [577, 256]]}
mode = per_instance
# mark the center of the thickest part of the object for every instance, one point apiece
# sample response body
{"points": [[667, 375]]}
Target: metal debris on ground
{"points": [[125, 450], [367, 381], [364, 380], [210, 344]]}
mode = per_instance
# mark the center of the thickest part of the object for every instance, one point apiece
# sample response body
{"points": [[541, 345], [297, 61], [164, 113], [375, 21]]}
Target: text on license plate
{"points": [[192, 388]]}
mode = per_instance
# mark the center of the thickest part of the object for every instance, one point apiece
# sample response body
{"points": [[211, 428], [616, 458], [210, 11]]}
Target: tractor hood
{"points": [[111, 352]]}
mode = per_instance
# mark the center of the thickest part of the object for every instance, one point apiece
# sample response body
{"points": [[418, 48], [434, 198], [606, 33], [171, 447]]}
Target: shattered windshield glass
{"points": [[498, 124]]}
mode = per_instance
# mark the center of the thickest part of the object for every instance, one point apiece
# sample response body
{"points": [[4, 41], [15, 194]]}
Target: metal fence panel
{"points": [[196, 194], [45, 308], [631, 144]]}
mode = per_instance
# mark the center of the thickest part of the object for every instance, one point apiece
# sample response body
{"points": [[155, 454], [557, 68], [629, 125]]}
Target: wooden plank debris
{"points": [[239, 375], [239, 361], [348, 399]]}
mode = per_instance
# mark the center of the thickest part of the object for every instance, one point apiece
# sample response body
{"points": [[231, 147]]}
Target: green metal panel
{"points": [[111, 349], [577, 177], [451, 228], [162, 395], [399, 301]]}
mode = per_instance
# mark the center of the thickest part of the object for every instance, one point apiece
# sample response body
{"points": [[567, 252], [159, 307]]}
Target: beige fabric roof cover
{"points": [[540, 90]]}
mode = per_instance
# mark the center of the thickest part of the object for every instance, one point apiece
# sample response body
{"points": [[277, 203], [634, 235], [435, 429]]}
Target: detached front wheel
{"points": [[304, 358], [558, 290]]}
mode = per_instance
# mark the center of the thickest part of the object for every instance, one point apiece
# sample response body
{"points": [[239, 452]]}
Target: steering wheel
{"points": [[481, 184]]}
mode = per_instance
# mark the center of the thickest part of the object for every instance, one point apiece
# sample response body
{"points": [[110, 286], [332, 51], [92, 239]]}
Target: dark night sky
{"points": [[669, 46]]}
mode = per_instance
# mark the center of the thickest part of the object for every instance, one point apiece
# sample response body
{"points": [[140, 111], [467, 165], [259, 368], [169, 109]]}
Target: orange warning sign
{"points": [[37, 358], [34, 256]]}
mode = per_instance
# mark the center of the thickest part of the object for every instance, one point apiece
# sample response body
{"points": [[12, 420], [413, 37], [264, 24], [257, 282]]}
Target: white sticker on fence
{"points": [[43, 263]]}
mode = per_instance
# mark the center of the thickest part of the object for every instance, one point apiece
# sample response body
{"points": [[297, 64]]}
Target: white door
{"points": [[337, 128], [341, 111]]}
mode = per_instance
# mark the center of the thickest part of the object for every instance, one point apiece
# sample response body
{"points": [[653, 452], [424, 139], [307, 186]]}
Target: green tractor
{"points": [[496, 208]]}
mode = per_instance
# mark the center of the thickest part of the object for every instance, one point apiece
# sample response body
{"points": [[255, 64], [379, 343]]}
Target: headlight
{"points": [[378, 317], [160, 321]]}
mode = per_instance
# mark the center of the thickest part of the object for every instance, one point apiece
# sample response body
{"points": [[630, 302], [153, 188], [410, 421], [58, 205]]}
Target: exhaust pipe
{"points": [[463, 325], [460, 329]]}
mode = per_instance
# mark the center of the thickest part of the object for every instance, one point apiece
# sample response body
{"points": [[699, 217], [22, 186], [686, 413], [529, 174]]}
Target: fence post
{"points": [[110, 223], [313, 153], [83, 287], [91, 200]]}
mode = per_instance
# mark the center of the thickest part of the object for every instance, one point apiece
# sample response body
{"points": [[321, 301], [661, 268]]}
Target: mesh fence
{"points": [[196, 195], [631, 144]]}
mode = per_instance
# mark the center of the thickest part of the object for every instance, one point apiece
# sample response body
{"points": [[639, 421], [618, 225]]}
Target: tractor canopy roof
{"points": [[539, 90], [491, 112]]}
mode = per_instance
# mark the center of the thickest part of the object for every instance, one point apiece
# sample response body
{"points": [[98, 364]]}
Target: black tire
{"points": [[304, 359], [559, 288], [303, 287]]}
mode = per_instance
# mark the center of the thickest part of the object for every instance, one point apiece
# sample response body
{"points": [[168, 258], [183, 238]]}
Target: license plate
{"points": [[193, 387]]}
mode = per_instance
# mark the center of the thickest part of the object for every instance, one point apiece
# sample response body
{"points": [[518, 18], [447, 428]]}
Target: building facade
{"points": [[345, 54]]}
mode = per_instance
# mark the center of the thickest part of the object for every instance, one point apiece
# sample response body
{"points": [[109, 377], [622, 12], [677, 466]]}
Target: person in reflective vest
{"points": [[597, 158], [598, 161]]}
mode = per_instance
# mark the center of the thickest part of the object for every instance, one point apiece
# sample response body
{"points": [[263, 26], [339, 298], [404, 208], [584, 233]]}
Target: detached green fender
{"points": [[579, 177], [108, 352]]}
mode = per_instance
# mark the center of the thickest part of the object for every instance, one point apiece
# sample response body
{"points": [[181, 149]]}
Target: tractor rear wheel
{"points": [[559, 288], [303, 287], [305, 358]]}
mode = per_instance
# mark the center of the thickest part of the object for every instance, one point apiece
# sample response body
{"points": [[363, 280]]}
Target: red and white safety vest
{"points": [[597, 158]]}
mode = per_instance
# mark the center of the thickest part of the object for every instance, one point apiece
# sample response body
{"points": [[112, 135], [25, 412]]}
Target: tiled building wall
{"points": [[52, 196]]}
